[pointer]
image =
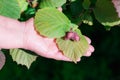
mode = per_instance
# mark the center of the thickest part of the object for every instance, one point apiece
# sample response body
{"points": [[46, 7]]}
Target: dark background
{"points": [[103, 64]]}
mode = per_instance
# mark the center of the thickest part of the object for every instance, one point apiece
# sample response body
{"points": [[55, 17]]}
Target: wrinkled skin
{"points": [[15, 34]]}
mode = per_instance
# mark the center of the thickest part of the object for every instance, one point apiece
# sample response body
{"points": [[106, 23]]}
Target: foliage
{"points": [[73, 49], [106, 14], [12, 8], [52, 3], [55, 24], [51, 23], [22, 57]]}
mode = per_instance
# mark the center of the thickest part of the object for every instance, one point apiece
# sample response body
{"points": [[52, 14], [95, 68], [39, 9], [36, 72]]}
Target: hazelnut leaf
{"points": [[73, 49]]}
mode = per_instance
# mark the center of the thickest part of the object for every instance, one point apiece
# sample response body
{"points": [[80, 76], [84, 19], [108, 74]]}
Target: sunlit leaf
{"points": [[52, 3], [2, 60], [74, 26], [12, 8], [23, 5], [73, 49], [51, 23], [105, 13], [22, 57]]}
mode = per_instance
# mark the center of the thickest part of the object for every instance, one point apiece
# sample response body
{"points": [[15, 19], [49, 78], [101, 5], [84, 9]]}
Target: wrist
{"points": [[11, 33], [28, 29]]}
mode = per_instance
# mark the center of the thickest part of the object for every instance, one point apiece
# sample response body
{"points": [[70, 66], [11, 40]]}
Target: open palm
{"points": [[43, 46]]}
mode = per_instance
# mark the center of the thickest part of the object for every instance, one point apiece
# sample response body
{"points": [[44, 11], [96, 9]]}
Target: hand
{"points": [[44, 46], [23, 35]]}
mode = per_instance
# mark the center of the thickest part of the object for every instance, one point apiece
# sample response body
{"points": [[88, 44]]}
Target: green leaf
{"points": [[2, 60], [105, 13], [23, 5], [51, 23], [74, 26], [74, 19], [86, 4], [76, 8], [12, 8], [87, 18], [22, 57], [73, 49], [52, 3]]}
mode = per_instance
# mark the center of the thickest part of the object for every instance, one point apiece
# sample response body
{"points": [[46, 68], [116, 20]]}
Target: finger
{"points": [[88, 54], [88, 39], [90, 50]]}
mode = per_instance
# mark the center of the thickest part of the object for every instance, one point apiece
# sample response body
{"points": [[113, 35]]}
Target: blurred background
{"points": [[103, 64]]}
